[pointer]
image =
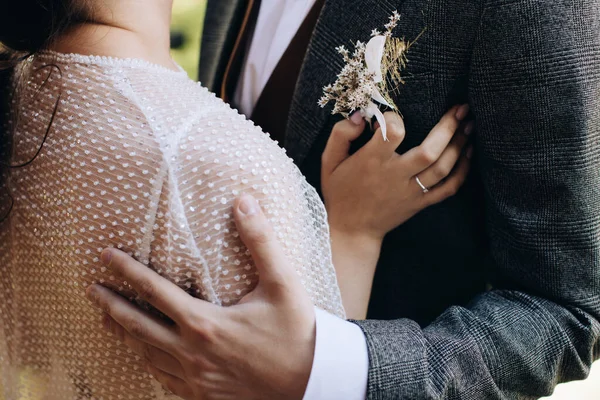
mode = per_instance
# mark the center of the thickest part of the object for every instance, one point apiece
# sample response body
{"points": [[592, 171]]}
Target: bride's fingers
{"points": [[395, 135], [447, 161], [425, 155], [450, 186], [152, 355], [338, 145]]}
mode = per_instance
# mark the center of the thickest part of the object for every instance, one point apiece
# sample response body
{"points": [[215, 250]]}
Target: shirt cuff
{"points": [[341, 361]]}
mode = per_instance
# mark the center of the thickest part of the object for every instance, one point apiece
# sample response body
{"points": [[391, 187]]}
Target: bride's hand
{"points": [[376, 189]]}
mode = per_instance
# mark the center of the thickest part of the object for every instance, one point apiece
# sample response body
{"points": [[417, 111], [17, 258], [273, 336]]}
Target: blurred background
{"points": [[188, 16]]}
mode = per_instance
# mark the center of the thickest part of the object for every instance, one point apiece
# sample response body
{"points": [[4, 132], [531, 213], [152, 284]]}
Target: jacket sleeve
{"points": [[535, 92]]}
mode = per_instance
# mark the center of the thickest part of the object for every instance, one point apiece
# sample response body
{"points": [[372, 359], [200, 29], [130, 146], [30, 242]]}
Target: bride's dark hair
{"points": [[29, 25], [26, 27]]}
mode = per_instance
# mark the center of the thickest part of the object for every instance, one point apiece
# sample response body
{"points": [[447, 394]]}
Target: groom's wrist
{"points": [[341, 361]]}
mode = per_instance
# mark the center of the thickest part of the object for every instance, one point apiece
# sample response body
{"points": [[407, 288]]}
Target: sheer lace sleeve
{"points": [[143, 159], [212, 155]]}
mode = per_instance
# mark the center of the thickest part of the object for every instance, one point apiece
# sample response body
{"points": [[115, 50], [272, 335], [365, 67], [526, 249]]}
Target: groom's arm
{"points": [[535, 92]]}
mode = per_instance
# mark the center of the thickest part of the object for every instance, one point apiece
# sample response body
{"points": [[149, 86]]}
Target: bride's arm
{"points": [[218, 158], [355, 258], [375, 190]]}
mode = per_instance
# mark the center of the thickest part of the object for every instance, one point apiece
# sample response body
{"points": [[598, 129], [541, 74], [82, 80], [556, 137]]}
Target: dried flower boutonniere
{"points": [[371, 74]]}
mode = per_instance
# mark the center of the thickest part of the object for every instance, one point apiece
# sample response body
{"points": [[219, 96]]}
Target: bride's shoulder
{"points": [[149, 108], [192, 122], [221, 143], [213, 150]]}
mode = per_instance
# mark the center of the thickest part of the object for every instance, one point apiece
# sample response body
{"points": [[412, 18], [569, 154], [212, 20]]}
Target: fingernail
{"points": [[462, 112], [106, 257], [90, 293], [469, 128], [356, 118], [248, 205], [470, 152]]}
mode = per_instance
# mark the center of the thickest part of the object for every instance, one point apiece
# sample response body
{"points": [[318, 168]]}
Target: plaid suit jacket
{"points": [[494, 294]]}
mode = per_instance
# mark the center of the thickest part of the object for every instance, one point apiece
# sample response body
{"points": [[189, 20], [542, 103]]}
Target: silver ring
{"points": [[423, 187]]}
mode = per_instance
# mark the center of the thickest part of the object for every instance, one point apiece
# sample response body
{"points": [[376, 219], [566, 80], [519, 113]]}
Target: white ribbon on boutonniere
{"points": [[369, 76], [373, 58]]}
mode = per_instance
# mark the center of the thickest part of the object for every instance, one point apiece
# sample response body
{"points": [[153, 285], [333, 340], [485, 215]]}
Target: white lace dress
{"points": [[141, 158]]}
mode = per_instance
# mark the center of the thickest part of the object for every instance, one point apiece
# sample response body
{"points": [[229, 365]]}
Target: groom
{"points": [[495, 293]]}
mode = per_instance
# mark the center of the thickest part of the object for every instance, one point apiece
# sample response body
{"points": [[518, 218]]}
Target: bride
{"points": [[106, 141]]}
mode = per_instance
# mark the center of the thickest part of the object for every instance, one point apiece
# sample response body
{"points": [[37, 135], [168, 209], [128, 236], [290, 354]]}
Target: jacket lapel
{"points": [[342, 22], [222, 24], [306, 118]]}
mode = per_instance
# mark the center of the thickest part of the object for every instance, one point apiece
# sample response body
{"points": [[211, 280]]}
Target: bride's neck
{"points": [[124, 29]]}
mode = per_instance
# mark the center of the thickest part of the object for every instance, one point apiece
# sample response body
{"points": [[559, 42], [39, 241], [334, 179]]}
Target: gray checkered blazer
{"points": [[528, 220]]}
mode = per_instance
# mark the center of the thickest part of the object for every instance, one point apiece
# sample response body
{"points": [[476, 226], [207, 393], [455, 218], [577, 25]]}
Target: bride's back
{"points": [[141, 158]]}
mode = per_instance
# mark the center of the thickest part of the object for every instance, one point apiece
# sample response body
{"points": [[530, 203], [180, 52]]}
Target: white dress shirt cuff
{"points": [[341, 361]]}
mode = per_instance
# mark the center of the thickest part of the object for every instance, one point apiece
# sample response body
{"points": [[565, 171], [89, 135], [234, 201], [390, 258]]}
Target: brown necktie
{"points": [[273, 106]]}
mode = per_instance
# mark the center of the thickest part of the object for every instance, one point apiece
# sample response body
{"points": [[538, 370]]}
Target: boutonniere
{"points": [[371, 75]]}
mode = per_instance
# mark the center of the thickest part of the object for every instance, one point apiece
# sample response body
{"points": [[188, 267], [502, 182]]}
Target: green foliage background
{"points": [[188, 18]]}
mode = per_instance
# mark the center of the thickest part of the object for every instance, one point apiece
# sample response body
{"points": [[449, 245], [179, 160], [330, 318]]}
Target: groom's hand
{"points": [[261, 348]]}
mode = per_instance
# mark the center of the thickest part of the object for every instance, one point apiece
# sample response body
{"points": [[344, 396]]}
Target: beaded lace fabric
{"points": [[141, 158]]}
